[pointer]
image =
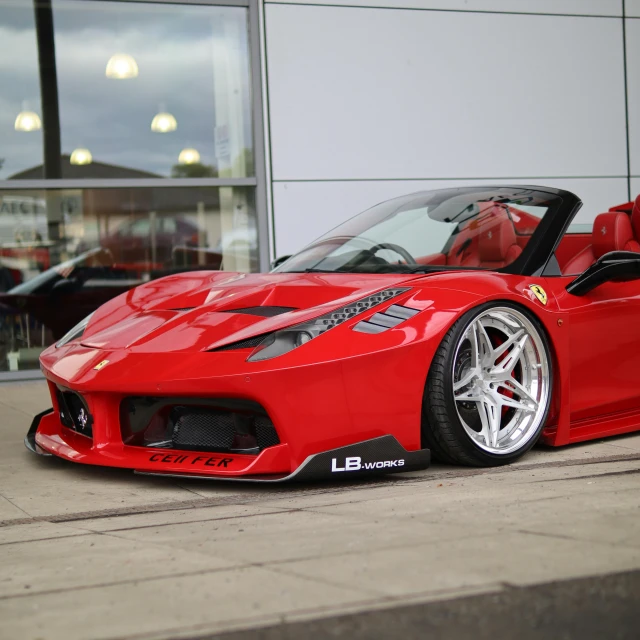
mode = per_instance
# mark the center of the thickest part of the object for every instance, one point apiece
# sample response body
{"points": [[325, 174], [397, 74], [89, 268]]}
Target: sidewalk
{"points": [[101, 553]]}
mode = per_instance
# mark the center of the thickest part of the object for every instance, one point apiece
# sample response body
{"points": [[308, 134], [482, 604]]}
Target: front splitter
{"points": [[375, 457]]}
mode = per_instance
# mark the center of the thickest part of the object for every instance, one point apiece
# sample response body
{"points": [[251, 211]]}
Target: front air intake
{"points": [[74, 412], [188, 424]]}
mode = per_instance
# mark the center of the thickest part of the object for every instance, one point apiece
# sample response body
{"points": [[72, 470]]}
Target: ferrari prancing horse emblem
{"points": [[539, 293], [99, 366]]}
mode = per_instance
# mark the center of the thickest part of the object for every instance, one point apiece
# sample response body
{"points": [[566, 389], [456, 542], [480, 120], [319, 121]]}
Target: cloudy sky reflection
{"points": [[174, 48]]}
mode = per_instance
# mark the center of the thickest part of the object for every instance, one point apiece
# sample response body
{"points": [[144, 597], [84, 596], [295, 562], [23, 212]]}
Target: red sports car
{"points": [[470, 323]]}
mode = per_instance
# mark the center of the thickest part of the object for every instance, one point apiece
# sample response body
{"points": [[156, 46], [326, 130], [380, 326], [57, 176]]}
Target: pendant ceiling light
{"points": [[189, 156], [81, 156], [27, 120], [163, 122], [121, 66]]}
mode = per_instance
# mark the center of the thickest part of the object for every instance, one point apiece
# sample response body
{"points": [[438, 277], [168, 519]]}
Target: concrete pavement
{"points": [[101, 553]]}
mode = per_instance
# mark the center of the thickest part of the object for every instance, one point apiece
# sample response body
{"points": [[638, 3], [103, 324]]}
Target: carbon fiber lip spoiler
{"points": [[30, 438], [376, 457]]}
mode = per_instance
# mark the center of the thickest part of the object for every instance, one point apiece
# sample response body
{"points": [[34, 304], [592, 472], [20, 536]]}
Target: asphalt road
{"points": [[597, 608]]}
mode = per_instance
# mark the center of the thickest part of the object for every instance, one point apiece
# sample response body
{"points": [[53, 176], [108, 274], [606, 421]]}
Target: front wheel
{"points": [[488, 390]]}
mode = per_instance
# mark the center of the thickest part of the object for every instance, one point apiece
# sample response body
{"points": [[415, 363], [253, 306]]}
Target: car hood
{"points": [[203, 311]]}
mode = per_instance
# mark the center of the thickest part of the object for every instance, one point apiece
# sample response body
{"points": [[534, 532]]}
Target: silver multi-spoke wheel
{"points": [[501, 380]]}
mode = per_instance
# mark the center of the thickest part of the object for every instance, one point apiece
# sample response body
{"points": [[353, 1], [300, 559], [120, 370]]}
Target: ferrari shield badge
{"points": [[539, 293], [100, 365]]}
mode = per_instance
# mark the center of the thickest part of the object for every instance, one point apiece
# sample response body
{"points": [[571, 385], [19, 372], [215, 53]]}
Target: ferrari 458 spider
{"points": [[468, 323]]}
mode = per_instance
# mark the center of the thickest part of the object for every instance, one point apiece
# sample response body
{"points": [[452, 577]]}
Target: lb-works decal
{"points": [[374, 457], [355, 463]]}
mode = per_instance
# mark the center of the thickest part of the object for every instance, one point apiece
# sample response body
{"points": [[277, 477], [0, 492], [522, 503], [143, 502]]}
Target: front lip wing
{"points": [[30, 438], [378, 456], [375, 457]]}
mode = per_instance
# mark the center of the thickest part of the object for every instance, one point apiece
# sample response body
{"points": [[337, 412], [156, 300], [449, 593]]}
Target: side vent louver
{"points": [[388, 319], [265, 312], [249, 343]]}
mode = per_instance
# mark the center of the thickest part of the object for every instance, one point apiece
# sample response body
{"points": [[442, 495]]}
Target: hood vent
{"points": [[264, 312], [388, 319], [249, 343]]}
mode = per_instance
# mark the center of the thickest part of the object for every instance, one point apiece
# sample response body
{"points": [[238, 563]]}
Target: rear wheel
{"points": [[489, 387]]}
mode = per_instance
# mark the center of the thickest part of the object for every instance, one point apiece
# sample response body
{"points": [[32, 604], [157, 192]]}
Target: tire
{"points": [[488, 390]]}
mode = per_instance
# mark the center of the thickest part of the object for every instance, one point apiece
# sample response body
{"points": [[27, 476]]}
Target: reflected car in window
{"points": [[149, 241], [61, 296]]}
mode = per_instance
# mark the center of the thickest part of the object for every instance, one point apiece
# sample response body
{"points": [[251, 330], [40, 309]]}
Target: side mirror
{"points": [[278, 261], [616, 266]]}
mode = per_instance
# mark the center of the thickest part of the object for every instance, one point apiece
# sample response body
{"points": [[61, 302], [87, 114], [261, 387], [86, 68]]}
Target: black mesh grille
{"points": [[265, 433], [202, 429], [206, 424], [249, 343]]}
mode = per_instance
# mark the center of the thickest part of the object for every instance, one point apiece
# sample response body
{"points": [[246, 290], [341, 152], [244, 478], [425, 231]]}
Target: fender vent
{"points": [[249, 343], [388, 319], [265, 312]]}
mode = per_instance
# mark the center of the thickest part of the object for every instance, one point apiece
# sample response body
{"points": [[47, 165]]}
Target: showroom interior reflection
{"points": [[112, 104]]}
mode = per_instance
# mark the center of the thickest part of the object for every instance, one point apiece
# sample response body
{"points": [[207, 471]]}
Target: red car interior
{"points": [[612, 231], [498, 239], [493, 241], [498, 246]]}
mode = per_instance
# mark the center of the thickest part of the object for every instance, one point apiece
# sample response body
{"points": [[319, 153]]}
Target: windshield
{"points": [[479, 228]]}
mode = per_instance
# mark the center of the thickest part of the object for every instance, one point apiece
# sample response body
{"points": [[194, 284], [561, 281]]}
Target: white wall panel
{"points": [[369, 93], [307, 210], [574, 7], [632, 8], [635, 188], [633, 83]]}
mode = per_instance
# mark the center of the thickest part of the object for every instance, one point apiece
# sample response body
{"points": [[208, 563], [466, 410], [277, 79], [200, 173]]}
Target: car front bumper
{"points": [[377, 456]]}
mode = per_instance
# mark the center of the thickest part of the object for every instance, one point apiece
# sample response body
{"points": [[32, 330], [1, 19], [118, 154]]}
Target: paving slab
{"points": [[78, 562], [35, 531], [514, 557], [169, 606]]}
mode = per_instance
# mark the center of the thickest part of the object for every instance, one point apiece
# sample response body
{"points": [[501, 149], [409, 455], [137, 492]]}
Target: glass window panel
{"points": [[20, 111], [65, 252], [184, 112]]}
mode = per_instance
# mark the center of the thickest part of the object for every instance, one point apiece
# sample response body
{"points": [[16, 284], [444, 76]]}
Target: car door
{"points": [[604, 336]]}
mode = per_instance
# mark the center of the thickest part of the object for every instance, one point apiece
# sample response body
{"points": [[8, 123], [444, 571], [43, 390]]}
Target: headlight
{"points": [[74, 333], [286, 340]]}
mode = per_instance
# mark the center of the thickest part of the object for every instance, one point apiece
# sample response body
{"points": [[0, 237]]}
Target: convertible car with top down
{"points": [[465, 323]]}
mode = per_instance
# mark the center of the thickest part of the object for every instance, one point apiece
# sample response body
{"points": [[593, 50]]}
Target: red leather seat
{"points": [[612, 231], [635, 222], [498, 246]]}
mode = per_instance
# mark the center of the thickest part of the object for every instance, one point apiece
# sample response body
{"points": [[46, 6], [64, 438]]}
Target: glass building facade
{"points": [[130, 149]]}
